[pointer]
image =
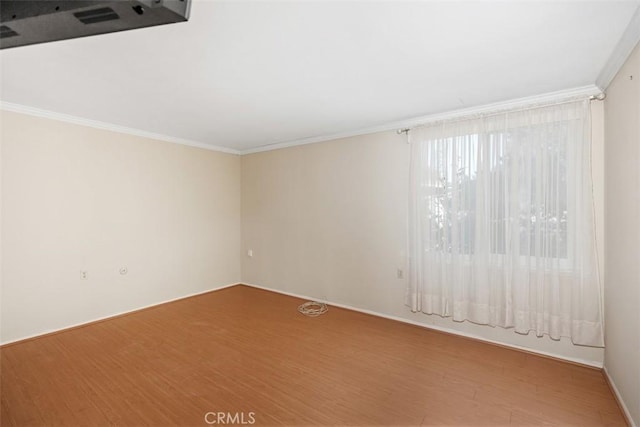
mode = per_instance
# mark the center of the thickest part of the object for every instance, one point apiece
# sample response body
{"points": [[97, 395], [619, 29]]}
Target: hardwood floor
{"points": [[250, 356]]}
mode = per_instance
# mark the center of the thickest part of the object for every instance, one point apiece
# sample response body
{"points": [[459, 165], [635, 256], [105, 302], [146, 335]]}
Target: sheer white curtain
{"points": [[501, 222]]}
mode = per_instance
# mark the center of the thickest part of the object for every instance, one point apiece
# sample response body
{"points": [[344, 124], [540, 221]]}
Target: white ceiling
{"points": [[246, 74]]}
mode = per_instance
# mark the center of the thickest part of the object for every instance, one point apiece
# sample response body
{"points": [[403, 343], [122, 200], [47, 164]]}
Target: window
{"points": [[501, 222], [535, 198]]}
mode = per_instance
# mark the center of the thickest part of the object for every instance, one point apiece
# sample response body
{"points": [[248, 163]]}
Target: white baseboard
{"points": [[619, 398], [331, 303], [99, 319], [435, 327]]}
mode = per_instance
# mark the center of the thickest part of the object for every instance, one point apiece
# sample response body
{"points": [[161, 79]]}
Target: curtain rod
{"points": [[599, 97]]}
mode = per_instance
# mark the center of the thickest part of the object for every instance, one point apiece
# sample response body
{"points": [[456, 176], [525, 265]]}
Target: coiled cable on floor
{"points": [[313, 308]]}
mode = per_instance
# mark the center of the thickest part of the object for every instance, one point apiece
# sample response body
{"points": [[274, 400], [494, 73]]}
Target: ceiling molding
{"points": [[583, 91], [621, 52], [579, 92], [37, 112]]}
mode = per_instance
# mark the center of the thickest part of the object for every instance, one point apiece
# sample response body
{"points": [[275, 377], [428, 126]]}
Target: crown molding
{"points": [[621, 52], [550, 97], [37, 112]]}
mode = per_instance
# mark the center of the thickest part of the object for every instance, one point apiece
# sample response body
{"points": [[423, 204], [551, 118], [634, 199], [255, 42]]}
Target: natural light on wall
{"points": [[501, 222]]}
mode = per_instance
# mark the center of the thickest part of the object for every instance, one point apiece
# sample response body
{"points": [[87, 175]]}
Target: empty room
{"points": [[319, 213]]}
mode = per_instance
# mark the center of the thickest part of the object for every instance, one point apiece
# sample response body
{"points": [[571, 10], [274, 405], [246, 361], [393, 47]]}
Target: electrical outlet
{"points": [[124, 270], [83, 275], [250, 253]]}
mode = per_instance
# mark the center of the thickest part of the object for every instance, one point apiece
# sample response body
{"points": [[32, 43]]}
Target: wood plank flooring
{"points": [[249, 353]]}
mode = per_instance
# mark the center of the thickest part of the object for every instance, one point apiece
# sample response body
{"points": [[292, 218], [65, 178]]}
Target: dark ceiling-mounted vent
{"points": [[6, 32], [96, 15], [26, 22]]}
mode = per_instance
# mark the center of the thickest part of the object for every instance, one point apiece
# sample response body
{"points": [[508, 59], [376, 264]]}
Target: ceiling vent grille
{"points": [[6, 32], [96, 15]]}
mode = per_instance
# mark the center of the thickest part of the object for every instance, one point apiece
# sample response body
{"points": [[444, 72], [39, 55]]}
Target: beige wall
{"points": [[622, 245], [76, 198], [328, 221], [324, 220]]}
